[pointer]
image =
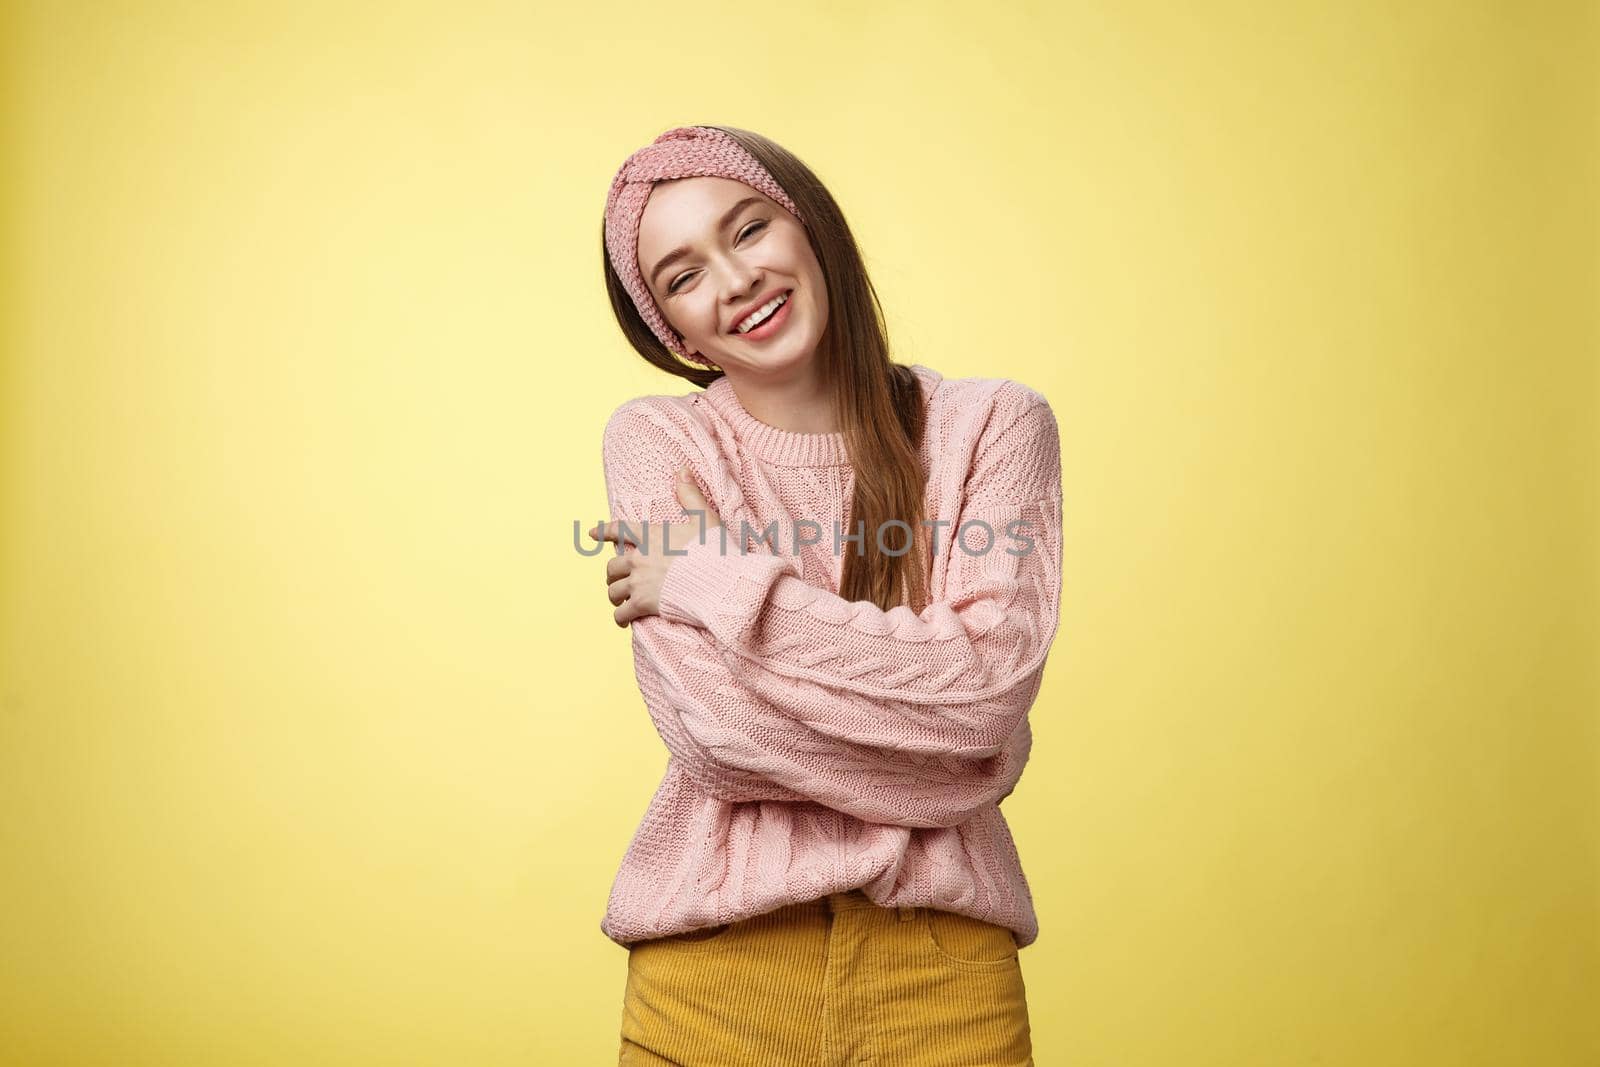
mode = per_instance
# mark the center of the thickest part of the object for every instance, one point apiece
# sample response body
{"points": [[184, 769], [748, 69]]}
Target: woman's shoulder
{"points": [[1003, 393], [672, 422], [975, 410], [656, 407]]}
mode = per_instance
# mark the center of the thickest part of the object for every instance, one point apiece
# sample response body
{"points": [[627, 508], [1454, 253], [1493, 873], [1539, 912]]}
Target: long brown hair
{"points": [[878, 403]]}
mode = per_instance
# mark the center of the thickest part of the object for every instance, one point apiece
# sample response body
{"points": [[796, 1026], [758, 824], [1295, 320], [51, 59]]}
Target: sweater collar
{"points": [[786, 448]]}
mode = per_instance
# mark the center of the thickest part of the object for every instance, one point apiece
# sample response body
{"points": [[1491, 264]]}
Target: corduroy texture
{"points": [[816, 744], [684, 152], [828, 983]]}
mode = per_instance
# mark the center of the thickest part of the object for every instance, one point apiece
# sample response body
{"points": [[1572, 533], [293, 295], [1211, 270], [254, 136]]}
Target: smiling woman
{"points": [[754, 233], [825, 861]]}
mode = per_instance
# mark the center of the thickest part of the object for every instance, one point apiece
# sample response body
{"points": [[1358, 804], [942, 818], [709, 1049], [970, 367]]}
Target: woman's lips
{"points": [[774, 322]]}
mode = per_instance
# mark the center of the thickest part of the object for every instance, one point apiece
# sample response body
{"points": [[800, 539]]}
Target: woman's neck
{"points": [[798, 402]]}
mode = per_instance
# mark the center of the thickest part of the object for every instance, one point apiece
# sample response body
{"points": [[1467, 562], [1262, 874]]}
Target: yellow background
{"points": [[318, 744]]}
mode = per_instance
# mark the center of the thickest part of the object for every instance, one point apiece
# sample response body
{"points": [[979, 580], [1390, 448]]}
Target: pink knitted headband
{"points": [[684, 152]]}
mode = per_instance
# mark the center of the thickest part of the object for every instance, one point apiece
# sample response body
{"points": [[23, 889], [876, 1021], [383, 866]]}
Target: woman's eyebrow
{"points": [[683, 250]]}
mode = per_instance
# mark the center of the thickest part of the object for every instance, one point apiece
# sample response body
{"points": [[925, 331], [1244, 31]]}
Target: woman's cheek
{"points": [[709, 323]]}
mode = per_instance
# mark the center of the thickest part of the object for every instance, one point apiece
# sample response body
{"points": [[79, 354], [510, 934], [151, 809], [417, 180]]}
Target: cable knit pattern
{"points": [[818, 744]]}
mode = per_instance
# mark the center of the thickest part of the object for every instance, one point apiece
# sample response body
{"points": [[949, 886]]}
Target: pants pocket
{"points": [[962, 941]]}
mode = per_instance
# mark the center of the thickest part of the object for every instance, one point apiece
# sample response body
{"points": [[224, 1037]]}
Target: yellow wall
{"points": [[318, 744]]}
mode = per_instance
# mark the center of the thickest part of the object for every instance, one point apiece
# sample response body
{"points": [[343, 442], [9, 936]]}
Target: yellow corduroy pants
{"points": [[831, 982]]}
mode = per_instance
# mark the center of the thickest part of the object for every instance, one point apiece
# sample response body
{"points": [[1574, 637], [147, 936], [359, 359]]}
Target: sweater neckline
{"points": [[787, 447]]}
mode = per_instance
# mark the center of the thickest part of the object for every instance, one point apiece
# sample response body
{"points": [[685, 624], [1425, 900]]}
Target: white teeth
{"points": [[759, 315]]}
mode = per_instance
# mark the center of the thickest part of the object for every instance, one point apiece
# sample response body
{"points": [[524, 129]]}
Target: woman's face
{"points": [[739, 249]]}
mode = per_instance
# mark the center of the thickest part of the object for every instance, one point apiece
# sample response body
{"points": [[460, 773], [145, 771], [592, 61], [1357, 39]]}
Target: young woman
{"points": [[842, 576]]}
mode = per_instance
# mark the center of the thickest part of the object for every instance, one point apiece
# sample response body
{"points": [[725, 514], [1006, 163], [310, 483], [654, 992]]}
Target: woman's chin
{"points": [[768, 360], [785, 359]]}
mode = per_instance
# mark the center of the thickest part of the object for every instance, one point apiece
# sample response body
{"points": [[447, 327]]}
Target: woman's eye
{"points": [[754, 227]]}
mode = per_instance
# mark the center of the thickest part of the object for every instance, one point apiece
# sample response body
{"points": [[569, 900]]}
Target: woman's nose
{"points": [[740, 282]]}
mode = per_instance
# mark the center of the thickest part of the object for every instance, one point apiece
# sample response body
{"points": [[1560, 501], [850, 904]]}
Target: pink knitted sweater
{"points": [[818, 744]]}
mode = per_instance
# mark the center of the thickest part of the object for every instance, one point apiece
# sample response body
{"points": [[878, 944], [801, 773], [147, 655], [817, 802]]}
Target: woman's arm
{"points": [[738, 746], [955, 679], [744, 736]]}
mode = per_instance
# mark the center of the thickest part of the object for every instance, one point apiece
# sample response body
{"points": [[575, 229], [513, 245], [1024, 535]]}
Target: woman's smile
{"points": [[772, 323]]}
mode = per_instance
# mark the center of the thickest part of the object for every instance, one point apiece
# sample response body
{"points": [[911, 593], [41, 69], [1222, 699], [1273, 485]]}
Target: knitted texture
{"points": [[684, 152], [817, 744]]}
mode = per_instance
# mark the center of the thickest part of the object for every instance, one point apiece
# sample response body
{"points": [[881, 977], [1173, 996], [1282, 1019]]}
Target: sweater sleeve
{"points": [[737, 745], [957, 678], [740, 745]]}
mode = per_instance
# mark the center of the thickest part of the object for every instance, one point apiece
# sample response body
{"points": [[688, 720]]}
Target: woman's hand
{"points": [[633, 578]]}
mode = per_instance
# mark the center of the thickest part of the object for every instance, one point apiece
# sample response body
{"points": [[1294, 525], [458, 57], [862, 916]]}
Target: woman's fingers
{"points": [[675, 535], [626, 612], [620, 566], [616, 531], [628, 586]]}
